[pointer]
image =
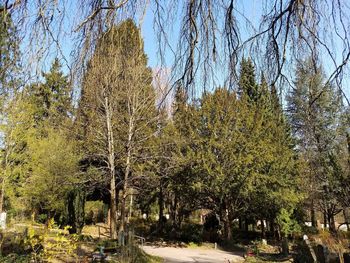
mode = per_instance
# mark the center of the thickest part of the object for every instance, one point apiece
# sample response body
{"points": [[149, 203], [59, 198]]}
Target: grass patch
{"points": [[14, 258]]}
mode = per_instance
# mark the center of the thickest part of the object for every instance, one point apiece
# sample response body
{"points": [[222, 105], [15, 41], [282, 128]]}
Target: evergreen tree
{"points": [[52, 99], [247, 85], [314, 110]]}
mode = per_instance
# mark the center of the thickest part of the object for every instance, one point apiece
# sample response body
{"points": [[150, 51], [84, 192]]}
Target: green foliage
{"points": [[39, 171], [287, 224], [314, 111], [75, 210], [191, 233], [41, 218], [52, 99], [53, 171], [94, 212], [247, 81], [15, 258]]}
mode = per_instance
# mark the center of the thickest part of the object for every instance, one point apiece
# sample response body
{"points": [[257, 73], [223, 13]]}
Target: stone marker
{"points": [[3, 220]]}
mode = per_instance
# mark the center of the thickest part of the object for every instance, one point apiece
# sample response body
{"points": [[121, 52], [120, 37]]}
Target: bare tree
{"points": [[120, 112]]}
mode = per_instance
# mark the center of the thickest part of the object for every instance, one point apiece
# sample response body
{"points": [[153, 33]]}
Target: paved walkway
{"points": [[187, 255]]}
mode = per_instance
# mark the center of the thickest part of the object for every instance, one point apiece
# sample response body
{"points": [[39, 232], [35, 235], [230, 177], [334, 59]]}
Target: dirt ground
{"points": [[187, 255]]}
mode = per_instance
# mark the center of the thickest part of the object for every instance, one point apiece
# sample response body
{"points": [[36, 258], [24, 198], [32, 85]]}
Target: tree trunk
{"points": [[227, 226], [285, 246], [272, 227], [127, 174], [2, 194], [313, 214], [228, 230], [130, 206], [325, 220], [174, 211], [5, 164], [111, 164], [347, 218], [246, 225], [263, 231], [161, 208], [331, 222], [227, 222]]}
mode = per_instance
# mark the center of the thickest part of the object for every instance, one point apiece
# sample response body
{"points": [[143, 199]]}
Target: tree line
{"points": [[243, 152]]}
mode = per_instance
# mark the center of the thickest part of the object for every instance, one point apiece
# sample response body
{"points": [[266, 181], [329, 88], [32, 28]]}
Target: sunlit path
{"points": [[184, 255]]}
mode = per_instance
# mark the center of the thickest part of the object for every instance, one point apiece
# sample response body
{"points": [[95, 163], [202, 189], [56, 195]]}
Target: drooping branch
{"points": [[211, 34]]}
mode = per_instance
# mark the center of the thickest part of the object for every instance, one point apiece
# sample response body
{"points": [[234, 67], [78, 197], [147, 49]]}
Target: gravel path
{"points": [[187, 255]]}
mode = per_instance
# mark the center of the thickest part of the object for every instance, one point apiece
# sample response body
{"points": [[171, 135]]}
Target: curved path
{"points": [[187, 255]]}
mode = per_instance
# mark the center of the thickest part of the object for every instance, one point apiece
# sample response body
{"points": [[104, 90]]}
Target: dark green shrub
{"points": [[42, 218], [89, 217], [95, 212], [191, 233], [75, 210], [310, 230]]}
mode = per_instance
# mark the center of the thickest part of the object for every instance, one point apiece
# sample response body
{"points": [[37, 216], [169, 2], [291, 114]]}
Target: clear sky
{"points": [[251, 9]]}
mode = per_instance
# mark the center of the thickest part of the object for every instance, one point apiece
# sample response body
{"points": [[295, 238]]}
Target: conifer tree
{"points": [[51, 99], [314, 110], [247, 85]]}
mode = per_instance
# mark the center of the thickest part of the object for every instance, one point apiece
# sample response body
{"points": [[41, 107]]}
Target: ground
{"points": [[187, 255]]}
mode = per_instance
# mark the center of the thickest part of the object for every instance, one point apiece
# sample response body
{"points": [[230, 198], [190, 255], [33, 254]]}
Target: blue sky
{"points": [[252, 9]]}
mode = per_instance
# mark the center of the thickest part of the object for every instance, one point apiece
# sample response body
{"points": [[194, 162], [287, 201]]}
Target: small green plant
{"points": [[287, 226], [256, 244], [42, 218], [193, 245]]}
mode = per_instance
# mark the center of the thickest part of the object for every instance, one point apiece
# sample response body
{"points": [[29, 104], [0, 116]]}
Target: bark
{"points": [[227, 229], [331, 222], [263, 230], [2, 194], [346, 217], [161, 209], [130, 206], [174, 211], [111, 164], [227, 222], [240, 225], [272, 227], [313, 214], [285, 246], [4, 167], [246, 225], [127, 175]]}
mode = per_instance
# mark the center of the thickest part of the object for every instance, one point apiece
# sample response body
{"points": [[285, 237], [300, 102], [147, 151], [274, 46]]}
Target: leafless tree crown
{"points": [[213, 35]]}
